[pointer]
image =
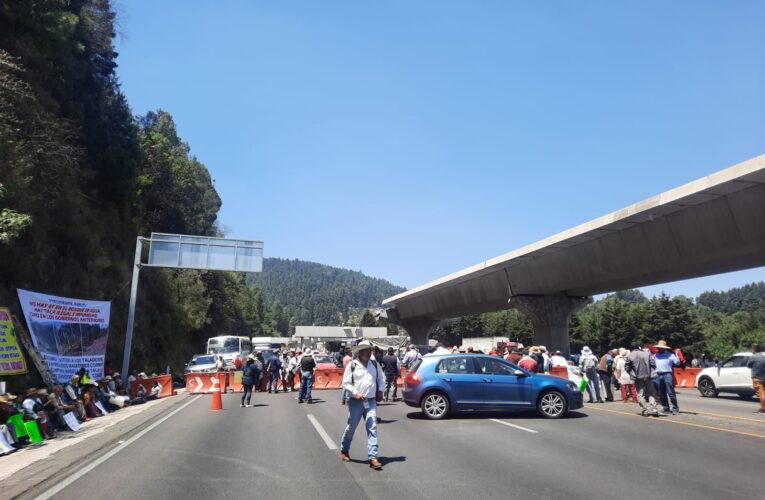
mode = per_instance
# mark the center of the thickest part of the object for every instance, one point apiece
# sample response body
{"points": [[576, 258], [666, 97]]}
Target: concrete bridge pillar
{"points": [[550, 314], [418, 329]]}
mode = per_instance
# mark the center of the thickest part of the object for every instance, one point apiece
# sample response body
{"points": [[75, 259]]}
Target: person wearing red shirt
{"points": [[528, 363]]}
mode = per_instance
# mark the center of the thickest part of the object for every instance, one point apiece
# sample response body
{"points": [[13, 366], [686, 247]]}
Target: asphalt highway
{"points": [[279, 449]]}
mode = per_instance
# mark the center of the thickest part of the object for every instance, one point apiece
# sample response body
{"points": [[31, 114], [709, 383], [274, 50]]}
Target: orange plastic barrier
{"points": [[559, 371], [234, 381], [148, 384], [206, 383], [686, 378]]}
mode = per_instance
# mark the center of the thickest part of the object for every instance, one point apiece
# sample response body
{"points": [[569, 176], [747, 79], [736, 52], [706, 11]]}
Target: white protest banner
{"points": [[69, 333], [71, 421]]}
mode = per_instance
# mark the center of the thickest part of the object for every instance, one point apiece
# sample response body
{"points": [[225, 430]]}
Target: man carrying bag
{"points": [[363, 379]]}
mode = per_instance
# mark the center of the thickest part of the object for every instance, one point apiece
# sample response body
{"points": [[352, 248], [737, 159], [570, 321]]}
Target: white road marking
{"points": [[327, 440], [77, 475], [532, 431]]}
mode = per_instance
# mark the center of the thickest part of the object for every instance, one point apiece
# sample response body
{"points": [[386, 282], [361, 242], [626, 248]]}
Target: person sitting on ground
{"points": [[156, 390], [59, 407], [7, 410], [89, 401]]}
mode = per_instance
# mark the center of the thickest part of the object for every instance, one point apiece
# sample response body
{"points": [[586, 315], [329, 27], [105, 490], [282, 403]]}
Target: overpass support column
{"points": [[418, 329], [550, 314]]}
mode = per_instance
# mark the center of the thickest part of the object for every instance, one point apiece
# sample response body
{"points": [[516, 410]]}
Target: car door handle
{"points": [[487, 380], [446, 379]]}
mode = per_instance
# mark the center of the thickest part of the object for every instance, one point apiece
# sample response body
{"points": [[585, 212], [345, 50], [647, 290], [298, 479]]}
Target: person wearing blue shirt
{"points": [[666, 361]]}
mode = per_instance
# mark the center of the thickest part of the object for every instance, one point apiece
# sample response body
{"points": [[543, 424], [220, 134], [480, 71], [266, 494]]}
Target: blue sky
{"points": [[411, 139]]}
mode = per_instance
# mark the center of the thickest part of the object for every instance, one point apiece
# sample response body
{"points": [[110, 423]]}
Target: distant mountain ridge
{"points": [[319, 294]]}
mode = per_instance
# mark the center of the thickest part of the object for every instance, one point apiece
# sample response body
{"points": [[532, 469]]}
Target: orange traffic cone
{"points": [[217, 401]]}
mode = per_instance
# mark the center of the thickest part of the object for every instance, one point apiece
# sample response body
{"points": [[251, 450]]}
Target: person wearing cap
{"points": [[666, 361], [410, 357], [307, 366], [391, 370], [363, 379], [588, 365], [557, 359], [642, 367], [292, 368]]}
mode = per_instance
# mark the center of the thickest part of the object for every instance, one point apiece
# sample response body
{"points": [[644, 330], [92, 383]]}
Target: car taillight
{"points": [[412, 379]]}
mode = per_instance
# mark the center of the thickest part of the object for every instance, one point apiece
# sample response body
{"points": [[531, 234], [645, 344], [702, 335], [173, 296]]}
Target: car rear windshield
{"points": [[413, 368]]}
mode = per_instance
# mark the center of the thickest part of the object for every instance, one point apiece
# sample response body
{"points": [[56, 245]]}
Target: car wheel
{"points": [[435, 405], [552, 404], [707, 388]]}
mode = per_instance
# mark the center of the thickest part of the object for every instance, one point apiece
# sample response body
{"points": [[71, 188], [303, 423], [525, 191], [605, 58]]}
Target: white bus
{"points": [[230, 347]]}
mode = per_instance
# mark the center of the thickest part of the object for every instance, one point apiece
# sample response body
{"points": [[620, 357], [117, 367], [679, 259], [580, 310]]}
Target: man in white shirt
{"points": [[557, 359], [410, 357], [364, 380]]}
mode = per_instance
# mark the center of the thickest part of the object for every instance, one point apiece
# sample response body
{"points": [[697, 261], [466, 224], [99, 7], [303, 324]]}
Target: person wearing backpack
{"points": [[249, 376], [588, 364], [363, 379], [274, 367]]}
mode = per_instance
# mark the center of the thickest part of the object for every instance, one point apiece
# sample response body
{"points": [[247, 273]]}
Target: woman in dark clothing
{"points": [[249, 378]]}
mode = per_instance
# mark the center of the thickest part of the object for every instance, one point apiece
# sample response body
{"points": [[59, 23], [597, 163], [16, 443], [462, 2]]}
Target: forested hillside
{"points": [[82, 177], [317, 294]]}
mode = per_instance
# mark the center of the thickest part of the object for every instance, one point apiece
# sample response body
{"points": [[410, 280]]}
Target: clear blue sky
{"points": [[411, 139]]}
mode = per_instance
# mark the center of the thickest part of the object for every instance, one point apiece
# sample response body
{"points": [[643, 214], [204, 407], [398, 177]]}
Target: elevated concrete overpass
{"points": [[713, 225]]}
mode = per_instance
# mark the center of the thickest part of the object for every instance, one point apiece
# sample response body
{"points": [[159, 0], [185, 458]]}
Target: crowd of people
{"points": [[63, 407]]}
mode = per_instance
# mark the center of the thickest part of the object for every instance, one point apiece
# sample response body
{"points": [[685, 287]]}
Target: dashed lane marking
{"points": [[320, 429], [669, 421], [526, 429]]}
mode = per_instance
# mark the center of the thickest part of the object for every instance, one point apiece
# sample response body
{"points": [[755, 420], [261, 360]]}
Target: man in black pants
{"points": [[249, 377], [390, 368]]}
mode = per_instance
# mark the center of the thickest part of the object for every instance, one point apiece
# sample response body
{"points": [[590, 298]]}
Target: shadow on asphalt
{"points": [[383, 460], [489, 414]]}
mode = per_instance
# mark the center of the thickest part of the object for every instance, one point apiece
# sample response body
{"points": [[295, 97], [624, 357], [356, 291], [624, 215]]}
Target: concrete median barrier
{"points": [[686, 379], [148, 384], [206, 383]]}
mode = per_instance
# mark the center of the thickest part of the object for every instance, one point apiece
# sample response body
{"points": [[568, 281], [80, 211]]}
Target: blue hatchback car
{"points": [[440, 384]]}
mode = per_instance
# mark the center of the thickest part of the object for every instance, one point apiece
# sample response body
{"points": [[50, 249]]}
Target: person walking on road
{"points": [[527, 362], [588, 364], [641, 367], [307, 366], [605, 370], [363, 378], [666, 361], [249, 376], [626, 382], [273, 367], [219, 364], [390, 368], [757, 364], [346, 359]]}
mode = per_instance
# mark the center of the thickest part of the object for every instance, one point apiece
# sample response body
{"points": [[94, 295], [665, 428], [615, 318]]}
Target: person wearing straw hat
{"points": [[363, 379], [666, 361]]}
